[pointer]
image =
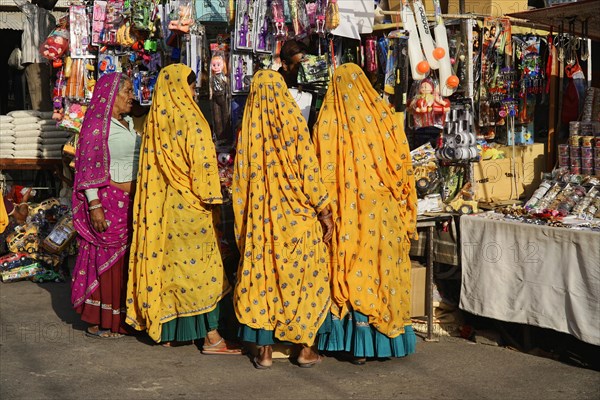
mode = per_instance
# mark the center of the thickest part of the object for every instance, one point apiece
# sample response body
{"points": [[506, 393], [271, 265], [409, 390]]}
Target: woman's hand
{"points": [[97, 216], [326, 219], [327, 225]]}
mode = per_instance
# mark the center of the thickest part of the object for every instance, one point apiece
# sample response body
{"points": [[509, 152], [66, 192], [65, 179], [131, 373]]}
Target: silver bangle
{"points": [[94, 207]]}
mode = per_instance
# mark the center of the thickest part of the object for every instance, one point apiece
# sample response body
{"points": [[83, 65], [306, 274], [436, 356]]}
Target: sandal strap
{"points": [[210, 346]]}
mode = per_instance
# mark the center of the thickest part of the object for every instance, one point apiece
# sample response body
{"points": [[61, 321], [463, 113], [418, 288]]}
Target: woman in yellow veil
{"points": [[364, 154], [176, 276], [282, 290]]}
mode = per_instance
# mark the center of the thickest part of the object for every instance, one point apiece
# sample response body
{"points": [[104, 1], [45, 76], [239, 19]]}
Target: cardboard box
{"points": [[495, 8], [395, 5], [531, 163], [494, 179], [417, 300]]}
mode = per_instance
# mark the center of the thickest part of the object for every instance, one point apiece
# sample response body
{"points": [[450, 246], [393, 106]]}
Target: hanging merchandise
{"points": [[497, 78], [98, 18], [448, 80], [113, 20], [56, 44], [181, 19], [58, 93], [77, 72], [332, 16], [432, 53], [313, 69], [242, 70], [244, 22], [427, 107], [458, 139], [370, 52], [264, 39], [108, 62], [73, 116], [320, 7], [79, 39], [530, 85], [299, 18], [143, 14], [220, 97], [278, 14], [419, 66], [143, 86]]}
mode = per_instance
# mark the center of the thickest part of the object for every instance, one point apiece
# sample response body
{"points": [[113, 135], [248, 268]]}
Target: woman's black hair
{"points": [[191, 78], [290, 49]]}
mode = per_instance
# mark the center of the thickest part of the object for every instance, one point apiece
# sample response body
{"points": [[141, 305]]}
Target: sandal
{"points": [[228, 349], [310, 364], [103, 334], [258, 365]]}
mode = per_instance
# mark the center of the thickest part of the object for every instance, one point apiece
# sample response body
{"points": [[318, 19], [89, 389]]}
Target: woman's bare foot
{"points": [[265, 357], [95, 332], [215, 344], [308, 357]]}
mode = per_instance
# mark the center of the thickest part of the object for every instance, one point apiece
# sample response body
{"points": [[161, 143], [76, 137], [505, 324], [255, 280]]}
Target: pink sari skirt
{"points": [[99, 277]]}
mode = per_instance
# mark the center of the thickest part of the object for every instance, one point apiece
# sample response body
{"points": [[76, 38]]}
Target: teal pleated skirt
{"points": [[260, 337], [185, 329], [353, 334]]}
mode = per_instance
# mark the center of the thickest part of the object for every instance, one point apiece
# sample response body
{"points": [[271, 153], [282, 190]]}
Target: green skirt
{"points": [[354, 335], [185, 329], [260, 337]]}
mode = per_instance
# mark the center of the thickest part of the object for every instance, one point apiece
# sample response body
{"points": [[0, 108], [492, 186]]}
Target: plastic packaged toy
{"points": [[57, 43]]}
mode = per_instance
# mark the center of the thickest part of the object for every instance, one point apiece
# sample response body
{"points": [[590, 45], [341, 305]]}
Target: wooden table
{"points": [[52, 165], [427, 223]]}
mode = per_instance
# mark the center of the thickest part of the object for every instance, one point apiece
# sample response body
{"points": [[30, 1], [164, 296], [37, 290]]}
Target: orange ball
{"points": [[439, 53], [423, 67], [452, 81]]}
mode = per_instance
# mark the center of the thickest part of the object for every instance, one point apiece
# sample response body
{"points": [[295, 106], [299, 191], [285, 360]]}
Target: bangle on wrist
{"points": [[95, 206]]}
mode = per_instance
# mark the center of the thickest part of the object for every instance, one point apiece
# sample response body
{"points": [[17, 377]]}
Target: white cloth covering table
{"points": [[532, 274]]}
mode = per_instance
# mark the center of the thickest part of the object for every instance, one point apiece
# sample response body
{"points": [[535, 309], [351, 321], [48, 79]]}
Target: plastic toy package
{"points": [[143, 86], [14, 260], [427, 106], [244, 25], [79, 74], [61, 235], [264, 40], [313, 69], [242, 71], [181, 18], [21, 273], [113, 20], [73, 116], [143, 13], [57, 43], [79, 32], [278, 16], [98, 18], [299, 18], [108, 62]]}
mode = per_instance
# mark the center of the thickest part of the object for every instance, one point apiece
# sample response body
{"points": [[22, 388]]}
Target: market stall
{"points": [[477, 93], [532, 274]]}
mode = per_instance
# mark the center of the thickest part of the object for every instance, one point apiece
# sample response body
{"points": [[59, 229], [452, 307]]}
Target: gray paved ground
{"points": [[44, 354]]}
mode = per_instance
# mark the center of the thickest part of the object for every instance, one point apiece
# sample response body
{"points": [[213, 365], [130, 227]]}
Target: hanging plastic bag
{"points": [[15, 59]]}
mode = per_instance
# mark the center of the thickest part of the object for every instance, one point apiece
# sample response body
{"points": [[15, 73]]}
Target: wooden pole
{"points": [[550, 153]]}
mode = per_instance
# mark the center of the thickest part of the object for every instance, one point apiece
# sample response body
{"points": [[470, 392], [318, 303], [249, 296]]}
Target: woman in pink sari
{"points": [[105, 171]]}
